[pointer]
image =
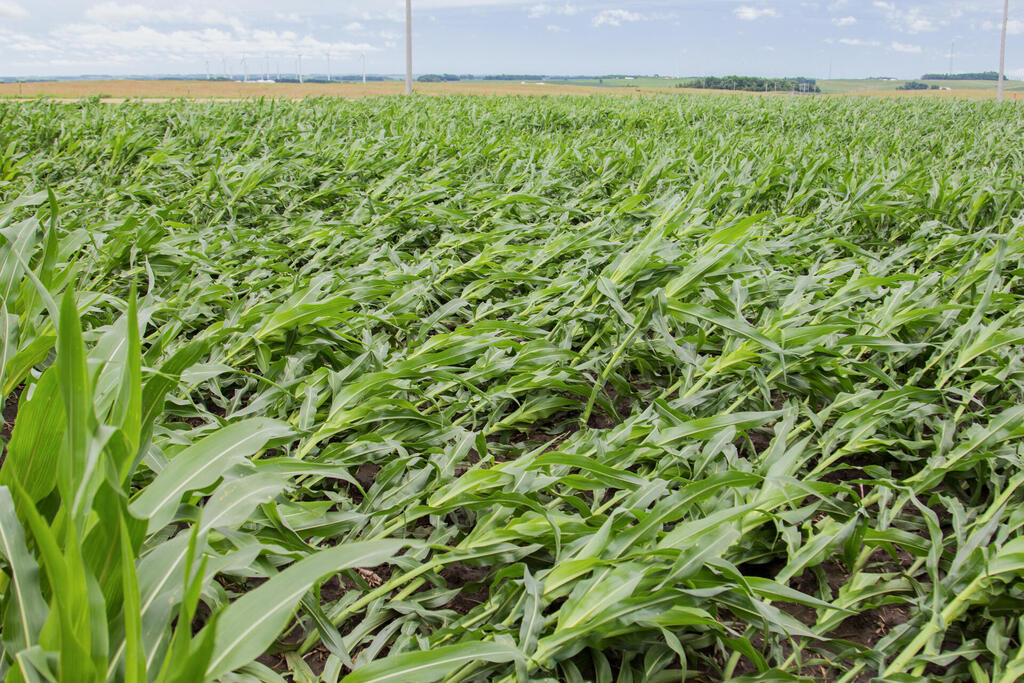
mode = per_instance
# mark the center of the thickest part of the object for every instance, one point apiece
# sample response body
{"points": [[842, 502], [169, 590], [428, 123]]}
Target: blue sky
{"points": [[849, 38]]}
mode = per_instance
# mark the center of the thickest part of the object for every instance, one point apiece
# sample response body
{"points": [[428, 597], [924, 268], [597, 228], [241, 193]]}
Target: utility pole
{"points": [[1002, 51], [408, 47]]}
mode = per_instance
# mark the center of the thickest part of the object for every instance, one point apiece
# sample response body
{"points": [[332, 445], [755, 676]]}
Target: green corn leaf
{"points": [[24, 610], [34, 451], [21, 363], [424, 667], [203, 463], [251, 623]]}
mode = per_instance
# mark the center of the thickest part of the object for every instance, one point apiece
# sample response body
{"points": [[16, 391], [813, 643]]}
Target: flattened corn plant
{"points": [[511, 389]]}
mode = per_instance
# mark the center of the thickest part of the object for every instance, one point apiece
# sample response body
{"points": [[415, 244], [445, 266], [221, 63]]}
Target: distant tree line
{"points": [[752, 83], [917, 85], [438, 78], [514, 77], [610, 77], [979, 76], [292, 78], [539, 77], [358, 77]]}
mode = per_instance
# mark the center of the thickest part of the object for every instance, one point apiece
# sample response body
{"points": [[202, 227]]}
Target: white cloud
{"points": [[904, 47], [95, 42], [12, 10], [556, 29], [19, 42], [615, 17], [1014, 27], [844, 21], [748, 13], [538, 11], [917, 24], [133, 14], [113, 12], [445, 4], [857, 42], [543, 9], [913, 20], [133, 33]]}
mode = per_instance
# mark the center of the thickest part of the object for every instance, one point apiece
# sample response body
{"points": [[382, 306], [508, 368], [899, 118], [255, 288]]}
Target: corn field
{"points": [[509, 390]]}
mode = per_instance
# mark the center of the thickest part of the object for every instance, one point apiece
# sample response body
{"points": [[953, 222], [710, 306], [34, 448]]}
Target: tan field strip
{"points": [[120, 90], [964, 94], [224, 90]]}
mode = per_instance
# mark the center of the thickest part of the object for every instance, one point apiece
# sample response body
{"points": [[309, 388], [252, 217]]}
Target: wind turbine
{"points": [[408, 47], [300, 67], [245, 70], [364, 68], [328, 66]]}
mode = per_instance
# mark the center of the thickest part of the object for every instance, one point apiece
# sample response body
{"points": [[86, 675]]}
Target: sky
{"points": [[814, 38]]}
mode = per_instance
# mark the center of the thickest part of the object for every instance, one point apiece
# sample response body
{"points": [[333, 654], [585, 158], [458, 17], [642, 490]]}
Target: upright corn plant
{"points": [[70, 542], [98, 587]]}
